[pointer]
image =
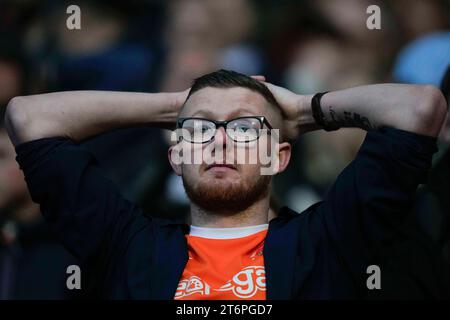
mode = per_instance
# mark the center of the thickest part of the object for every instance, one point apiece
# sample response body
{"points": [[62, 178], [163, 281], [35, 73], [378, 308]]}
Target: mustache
{"points": [[226, 165]]}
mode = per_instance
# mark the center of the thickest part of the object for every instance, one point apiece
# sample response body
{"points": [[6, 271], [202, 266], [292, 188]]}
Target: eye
{"points": [[203, 128], [242, 127]]}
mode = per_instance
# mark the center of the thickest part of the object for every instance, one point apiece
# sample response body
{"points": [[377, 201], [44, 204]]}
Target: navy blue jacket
{"points": [[321, 253]]}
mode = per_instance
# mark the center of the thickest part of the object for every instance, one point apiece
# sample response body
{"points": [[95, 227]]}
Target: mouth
{"points": [[220, 167]]}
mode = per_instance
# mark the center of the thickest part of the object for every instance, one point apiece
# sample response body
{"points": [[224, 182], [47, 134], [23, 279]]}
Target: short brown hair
{"points": [[229, 79]]}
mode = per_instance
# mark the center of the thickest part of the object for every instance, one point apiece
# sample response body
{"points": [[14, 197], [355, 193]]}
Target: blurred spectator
{"points": [[417, 18], [323, 62], [117, 48], [32, 262], [349, 18], [218, 37], [425, 60]]}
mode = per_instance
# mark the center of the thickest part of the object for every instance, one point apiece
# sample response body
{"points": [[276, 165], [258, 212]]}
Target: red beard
{"points": [[227, 197]]}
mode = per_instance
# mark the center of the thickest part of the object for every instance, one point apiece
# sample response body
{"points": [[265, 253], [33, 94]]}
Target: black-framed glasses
{"points": [[201, 130]]}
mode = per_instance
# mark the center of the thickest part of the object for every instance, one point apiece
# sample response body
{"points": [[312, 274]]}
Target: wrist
{"points": [[164, 107], [318, 114], [306, 121], [177, 100]]}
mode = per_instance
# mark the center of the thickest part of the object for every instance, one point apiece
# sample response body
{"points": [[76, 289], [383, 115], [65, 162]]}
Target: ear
{"points": [[175, 155], [284, 156]]}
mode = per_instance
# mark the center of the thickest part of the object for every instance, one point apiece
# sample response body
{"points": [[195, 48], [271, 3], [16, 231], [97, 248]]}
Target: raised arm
{"points": [[80, 114], [414, 108], [83, 207], [365, 207]]}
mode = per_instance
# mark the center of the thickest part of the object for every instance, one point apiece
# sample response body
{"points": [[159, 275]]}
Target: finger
{"points": [[259, 77]]}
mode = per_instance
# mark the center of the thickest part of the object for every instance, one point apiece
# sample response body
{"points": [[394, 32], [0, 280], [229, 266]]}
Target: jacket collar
{"points": [[279, 256], [171, 256]]}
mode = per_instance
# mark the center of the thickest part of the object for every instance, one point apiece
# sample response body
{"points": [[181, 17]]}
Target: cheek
{"points": [[250, 172], [190, 153], [261, 154], [190, 172]]}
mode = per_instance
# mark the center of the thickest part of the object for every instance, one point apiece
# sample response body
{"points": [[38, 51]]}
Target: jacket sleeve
{"points": [[82, 206], [369, 200]]}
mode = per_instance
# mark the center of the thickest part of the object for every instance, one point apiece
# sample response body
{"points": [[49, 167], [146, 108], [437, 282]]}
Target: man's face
{"points": [[235, 185]]}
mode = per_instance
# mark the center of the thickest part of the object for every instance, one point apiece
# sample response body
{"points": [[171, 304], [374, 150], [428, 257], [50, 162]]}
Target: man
{"points": [[229, 251]]}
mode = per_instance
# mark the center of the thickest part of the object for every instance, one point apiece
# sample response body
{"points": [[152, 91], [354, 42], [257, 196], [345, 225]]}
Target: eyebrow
{"points": [[237, 112]]}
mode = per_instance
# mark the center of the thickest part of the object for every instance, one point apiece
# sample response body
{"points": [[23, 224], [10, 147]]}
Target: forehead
{"points": [[225, 103]]}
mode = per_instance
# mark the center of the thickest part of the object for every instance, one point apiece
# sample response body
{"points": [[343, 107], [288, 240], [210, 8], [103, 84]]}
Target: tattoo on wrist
{"points": [[348, 120]]}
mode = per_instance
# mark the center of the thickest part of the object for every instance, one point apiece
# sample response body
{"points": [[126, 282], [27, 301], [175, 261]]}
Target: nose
{"points": [[221, 137]]}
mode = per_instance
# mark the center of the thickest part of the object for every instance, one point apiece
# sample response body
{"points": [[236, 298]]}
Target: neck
{"points": [[256, 214]]}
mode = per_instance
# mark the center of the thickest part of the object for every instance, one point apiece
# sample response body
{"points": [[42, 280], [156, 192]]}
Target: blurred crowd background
{"points": [[150, 45]]}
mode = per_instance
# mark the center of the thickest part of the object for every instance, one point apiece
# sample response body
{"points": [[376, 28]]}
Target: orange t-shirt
{"points": [[224, 264]]}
